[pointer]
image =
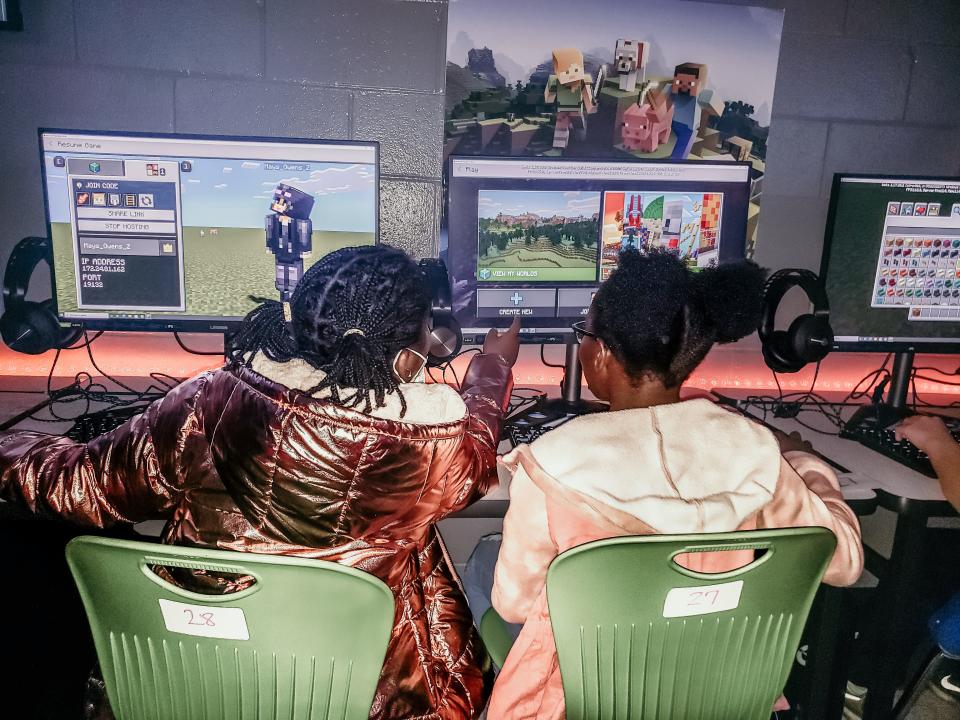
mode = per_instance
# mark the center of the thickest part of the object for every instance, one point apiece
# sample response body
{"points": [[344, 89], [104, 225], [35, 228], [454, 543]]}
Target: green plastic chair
{"points": [[496, 637], [638, 636], [306, 640]]}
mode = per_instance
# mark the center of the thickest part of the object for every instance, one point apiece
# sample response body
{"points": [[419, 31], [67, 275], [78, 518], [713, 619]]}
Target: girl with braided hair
{"points": [[315, 441]]}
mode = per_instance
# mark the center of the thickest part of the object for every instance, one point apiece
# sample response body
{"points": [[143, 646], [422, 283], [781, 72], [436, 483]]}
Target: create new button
{"points": [[516, 302]]}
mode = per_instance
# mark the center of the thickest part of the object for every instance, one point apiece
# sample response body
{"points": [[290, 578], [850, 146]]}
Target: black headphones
{"points": [[445, 335], [25, 326], [809, 337]]}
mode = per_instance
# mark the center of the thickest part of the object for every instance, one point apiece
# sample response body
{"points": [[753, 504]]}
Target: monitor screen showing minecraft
{"points": [[891, 263], [174, 232], [533, 238]]}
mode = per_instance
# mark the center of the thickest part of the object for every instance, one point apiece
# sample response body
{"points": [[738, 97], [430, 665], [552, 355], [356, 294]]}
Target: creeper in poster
{"points": [[630, 56], [289, 235], [570, 88], [688, 87]]}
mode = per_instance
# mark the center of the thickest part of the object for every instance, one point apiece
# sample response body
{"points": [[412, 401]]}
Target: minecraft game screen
{"points": [[891, 266], [164, 231], [534, 238]]}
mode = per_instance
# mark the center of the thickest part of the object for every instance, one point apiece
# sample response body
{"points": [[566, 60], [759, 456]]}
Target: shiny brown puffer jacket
{"points": [[235, 461]]}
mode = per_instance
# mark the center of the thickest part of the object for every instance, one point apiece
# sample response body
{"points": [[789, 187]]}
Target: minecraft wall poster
{"points": [[613, 79]]}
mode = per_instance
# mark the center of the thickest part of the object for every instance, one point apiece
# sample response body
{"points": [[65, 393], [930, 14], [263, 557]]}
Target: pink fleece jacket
{"points": [[678, 468]]}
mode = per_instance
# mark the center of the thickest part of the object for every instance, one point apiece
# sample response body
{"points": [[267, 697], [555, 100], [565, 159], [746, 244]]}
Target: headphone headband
{"points": [[23, 260], [25, 326], [779, 284]]}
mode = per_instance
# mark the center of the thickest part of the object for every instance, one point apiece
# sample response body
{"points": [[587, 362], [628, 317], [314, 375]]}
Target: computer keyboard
{"points": [[870, 433], [86, 427], [531, 425]]}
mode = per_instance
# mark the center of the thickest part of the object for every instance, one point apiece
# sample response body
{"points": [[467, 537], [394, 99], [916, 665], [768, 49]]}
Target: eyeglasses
{"points": [[580, 331]]}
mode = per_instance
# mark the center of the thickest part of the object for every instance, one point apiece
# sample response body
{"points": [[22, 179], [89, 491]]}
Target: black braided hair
{"points": [[661, 318], [378, 291]]}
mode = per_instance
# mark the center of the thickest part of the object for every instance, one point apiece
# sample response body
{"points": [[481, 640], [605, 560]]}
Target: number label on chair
{"points": [[204, 620], [686, 601]]}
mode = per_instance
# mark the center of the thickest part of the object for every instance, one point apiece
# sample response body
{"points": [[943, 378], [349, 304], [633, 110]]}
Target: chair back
{"points": [[306, 640], [639, 636]]}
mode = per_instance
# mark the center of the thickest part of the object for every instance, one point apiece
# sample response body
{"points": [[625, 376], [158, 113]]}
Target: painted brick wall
{"points": [[863, 85], [350, 69]]}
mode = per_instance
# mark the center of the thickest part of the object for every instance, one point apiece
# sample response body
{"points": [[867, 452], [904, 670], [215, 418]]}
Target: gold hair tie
{"points": [[287, 313], [354, 331]]}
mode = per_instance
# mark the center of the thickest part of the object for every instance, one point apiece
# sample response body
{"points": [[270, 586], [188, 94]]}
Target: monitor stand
{"points": [[570, 402], [895, 407]]}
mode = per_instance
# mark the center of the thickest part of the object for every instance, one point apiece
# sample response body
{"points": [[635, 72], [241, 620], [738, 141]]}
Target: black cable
{"points": [[768, 404], [456, 378], [176, 336], [930, 368], [543, 359], [776, 379], [870, 378]]}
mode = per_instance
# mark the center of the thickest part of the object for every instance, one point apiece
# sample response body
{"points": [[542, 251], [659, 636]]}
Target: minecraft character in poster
{"points": [[570, 88], [631, 236], [688, 87], [647, 125], [630, 56], [672, 222], [289, 235]]}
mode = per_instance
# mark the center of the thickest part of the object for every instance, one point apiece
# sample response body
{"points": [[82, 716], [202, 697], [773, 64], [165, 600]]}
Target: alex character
{"points": [[289, 232], [570, 88]]}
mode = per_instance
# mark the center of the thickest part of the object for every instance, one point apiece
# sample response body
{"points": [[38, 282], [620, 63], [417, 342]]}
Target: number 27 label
{"points": [[204, 620], [687, 601]]}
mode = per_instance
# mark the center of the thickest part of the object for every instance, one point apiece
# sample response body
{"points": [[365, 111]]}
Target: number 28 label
{"points": [[204, 620], [687, 601]]}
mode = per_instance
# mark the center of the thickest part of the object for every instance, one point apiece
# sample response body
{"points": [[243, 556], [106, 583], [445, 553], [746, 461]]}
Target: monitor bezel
{"points": [[173, 324], [565, 335], [921, 346]]}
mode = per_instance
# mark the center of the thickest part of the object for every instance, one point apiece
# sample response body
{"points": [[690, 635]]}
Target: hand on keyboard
{"points": [[925, 431]]}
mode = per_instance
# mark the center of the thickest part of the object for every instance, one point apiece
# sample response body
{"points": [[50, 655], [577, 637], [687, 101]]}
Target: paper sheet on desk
{"points": [[856, 485]]}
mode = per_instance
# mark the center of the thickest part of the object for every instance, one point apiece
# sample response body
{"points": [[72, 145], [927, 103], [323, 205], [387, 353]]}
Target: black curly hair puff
{"points": [[660, 318]]}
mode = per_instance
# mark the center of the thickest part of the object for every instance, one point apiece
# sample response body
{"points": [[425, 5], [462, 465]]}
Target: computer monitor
{"points": [[891, 263], [168, 232], [891, 269], [534, 237]]}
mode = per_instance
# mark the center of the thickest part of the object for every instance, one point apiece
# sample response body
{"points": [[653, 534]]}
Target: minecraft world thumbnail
{"points": [[537, 236], [684, 223]]}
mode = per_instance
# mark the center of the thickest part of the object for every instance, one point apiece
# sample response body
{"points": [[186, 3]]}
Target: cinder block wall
{"points": [[346, 69], [863, 85]]}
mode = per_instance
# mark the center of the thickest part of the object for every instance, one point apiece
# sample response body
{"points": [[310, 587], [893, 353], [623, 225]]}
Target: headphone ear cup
{"points": [[446, 339], [810, 338], [30, 328], [67, 336], [778, 353]]}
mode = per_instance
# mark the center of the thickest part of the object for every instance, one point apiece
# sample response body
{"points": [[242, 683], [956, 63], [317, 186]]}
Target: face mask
{"points": [[420, 376]]}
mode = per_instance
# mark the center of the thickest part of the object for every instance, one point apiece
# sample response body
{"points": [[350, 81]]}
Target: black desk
{"points": [[915, 499]]}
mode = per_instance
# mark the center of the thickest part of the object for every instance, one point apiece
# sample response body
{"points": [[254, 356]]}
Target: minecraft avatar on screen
{"points": [[289, 235]]}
